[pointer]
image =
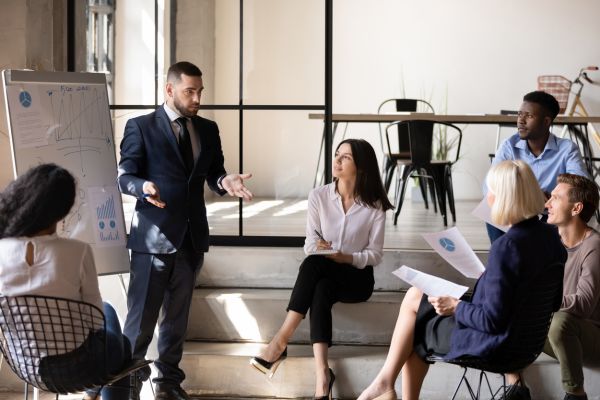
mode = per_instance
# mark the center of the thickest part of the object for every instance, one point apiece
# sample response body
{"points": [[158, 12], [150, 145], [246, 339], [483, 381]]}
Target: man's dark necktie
{"points": [[185, 144]]}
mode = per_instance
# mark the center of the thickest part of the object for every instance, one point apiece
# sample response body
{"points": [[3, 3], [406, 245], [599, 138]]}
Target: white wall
{"points": [[476, 57], [479, 57]]}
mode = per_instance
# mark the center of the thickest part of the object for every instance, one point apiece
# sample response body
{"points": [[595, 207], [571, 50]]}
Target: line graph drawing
{"points": [[78, 124]]}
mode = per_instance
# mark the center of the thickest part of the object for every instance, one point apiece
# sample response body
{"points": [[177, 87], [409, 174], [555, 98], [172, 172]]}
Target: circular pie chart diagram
{"points": [[25, 98], [447, 244]]}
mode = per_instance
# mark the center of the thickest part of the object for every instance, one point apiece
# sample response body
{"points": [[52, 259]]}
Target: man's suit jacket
{"points": [[149, 152], [515, 260]]}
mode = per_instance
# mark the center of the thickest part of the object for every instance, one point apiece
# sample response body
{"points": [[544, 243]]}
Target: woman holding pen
{"points": [[344, 240]]}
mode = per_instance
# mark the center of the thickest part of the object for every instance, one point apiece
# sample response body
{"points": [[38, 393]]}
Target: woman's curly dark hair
{"points": [[36, 200]]}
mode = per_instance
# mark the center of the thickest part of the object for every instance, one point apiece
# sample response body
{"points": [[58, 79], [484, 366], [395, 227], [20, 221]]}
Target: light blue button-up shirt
{"points": [[559, 156]]}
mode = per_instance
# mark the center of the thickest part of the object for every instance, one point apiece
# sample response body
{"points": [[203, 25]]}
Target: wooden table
{"points": [[478, 119], [490, 119]]}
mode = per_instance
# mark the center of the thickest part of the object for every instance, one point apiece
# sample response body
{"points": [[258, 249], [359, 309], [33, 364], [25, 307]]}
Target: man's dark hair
{"points": [[546, 100], [182, 67], [368, 189], [36, 200], [582, 190]]}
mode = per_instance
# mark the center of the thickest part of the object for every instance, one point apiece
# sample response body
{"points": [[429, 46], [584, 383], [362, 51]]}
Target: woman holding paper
{"points": [[451, 327], [344, 240]]}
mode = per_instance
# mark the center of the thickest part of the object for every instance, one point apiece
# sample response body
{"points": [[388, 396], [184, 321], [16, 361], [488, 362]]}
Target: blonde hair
{"points": [[517, 192]]}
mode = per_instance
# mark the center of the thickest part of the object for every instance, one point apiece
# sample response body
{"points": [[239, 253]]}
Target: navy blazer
{"points": [[149, 152], [516, 258]]}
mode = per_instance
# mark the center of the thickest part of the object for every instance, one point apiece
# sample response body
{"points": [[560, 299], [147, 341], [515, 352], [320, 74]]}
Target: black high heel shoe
{"points": [[329, 395], [268, 367]]}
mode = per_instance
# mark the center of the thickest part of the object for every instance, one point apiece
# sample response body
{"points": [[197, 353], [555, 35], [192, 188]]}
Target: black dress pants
{"points": [[161, 282], [320, 284]]}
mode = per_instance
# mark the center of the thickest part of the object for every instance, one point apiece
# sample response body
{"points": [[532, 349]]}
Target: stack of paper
{"points": [[452, 246]]}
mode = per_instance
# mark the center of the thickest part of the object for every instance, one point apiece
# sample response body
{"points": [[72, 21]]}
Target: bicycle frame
{"points": [[577, 108]]}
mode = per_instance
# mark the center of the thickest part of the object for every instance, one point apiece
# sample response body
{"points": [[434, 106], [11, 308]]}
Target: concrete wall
{"points": [[32, 35]]}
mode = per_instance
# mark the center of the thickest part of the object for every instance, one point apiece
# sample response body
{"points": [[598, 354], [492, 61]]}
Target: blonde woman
{"points": [[452, 327]]}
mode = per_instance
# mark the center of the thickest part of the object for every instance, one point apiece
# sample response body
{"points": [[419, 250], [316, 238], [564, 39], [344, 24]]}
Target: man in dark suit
{"points": [[166, 156]]}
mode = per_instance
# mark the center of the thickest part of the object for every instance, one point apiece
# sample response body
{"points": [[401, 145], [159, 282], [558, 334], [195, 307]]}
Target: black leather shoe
{"points": [[329, 395], [571, 396], [517, 392], [170, 392], [268, 367]]}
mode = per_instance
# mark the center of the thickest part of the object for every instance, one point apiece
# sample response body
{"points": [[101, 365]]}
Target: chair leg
{"points": [[450, 191], [388, 174], [432, 193], [467, 384], [501, 392], [401, 190], [26, 393], [423, 188], [438, 178]]}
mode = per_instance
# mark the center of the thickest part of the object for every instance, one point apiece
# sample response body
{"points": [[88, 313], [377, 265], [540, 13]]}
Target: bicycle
{"points": [[561, 87]]}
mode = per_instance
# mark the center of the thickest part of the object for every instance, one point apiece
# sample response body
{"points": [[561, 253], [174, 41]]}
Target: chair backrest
{"points": [[54, 344], [421, 138], [404, 105], [420, 134], [509, 124], [531, 323]]}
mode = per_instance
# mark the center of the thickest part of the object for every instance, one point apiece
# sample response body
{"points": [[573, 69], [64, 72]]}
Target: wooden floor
{"points": [[267, 217]]}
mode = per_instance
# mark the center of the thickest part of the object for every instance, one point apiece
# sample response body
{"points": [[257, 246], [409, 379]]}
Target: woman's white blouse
{"points": [[62, 268], [359, 232]]}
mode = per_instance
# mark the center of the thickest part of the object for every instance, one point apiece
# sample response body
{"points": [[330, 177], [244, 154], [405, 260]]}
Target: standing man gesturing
{"points": [[166, 156]]}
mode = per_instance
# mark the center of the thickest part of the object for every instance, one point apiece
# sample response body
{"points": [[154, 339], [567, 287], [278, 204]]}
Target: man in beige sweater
{"points": [[574, 336]]}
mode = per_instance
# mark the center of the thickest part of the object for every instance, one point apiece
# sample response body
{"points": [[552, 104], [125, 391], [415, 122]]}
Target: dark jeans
{"points": [[118, 351], [320, 284]]}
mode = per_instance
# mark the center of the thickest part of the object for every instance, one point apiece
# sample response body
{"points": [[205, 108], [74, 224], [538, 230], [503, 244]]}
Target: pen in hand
{"points": [[320, 236]]}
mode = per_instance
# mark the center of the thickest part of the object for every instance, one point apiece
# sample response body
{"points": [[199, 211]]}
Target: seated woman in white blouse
{"points": [[348, 216], [35, 261]]}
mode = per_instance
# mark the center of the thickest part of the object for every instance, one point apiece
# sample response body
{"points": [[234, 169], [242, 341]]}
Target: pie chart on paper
{"points": [[447, 244]]}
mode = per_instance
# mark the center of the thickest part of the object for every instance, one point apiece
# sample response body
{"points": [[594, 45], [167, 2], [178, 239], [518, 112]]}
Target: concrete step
{"points": [[256, 314], [223, 370], [261, 267]]}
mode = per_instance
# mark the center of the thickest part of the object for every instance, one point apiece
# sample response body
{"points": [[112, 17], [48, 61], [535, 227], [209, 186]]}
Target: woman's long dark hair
{"points": [[368, 189], [36, 200]]}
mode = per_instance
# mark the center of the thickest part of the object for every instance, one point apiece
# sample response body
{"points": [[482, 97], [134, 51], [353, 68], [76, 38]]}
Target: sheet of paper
{"points": [[429, 284], [322, 252], [27, 119], [483, 212], [452, 246]]}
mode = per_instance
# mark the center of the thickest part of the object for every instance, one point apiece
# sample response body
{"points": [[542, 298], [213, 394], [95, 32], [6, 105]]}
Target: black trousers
{"points": [[320, 284], [161, 281]]}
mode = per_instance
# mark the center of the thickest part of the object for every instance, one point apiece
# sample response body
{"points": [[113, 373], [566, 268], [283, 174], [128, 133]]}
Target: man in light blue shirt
{"points": [[547, 155]]}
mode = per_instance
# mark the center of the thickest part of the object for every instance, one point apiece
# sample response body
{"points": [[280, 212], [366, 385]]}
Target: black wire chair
{"points": [[57, 345], [528, 332], [402, 150], [420, 164]]}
